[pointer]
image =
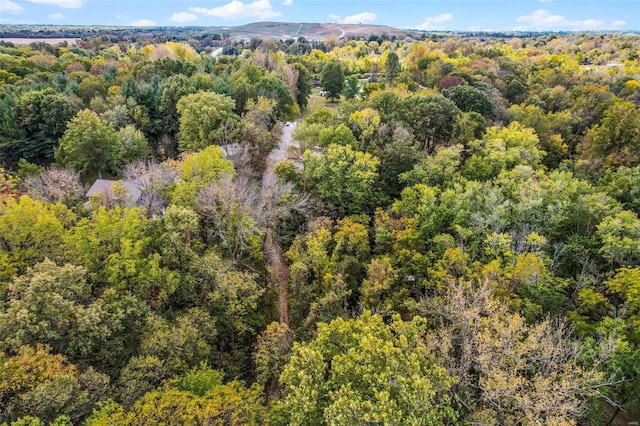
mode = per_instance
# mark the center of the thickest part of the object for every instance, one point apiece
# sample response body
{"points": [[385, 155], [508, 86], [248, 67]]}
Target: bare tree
{"points": [[236, 211], [228, 207], [510, 372], [55, 186], [290, 77], [151, 180]]}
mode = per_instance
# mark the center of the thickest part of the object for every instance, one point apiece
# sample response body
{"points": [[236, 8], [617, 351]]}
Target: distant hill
{"points": [[315, 31], [278, 30], [275, 30]]}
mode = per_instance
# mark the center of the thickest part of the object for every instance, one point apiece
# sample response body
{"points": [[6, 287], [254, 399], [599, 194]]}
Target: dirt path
{"points": [[279, 269], [278, 154]]}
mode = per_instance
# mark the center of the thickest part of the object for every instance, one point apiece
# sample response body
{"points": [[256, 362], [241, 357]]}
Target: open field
{"points": [[26, 41]]}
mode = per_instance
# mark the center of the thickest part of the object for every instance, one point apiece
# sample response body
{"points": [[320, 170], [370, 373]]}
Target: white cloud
{"points": [[287, 2], [435, 22], [618, 24], [360, 18], [236, 9], [7, 6], [143, 23], [544, 1], [56, 16], [183, 17], [68, 4], [541, 20], [121, 16]]}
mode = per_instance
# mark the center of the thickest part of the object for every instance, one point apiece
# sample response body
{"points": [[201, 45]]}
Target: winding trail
{"points": [[279, 269]]}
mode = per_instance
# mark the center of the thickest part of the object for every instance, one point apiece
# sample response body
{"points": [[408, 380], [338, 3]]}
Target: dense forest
{"points": [[452, 236]]}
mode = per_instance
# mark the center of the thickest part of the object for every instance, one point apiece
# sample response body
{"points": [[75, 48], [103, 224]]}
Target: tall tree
{"points": [[42, 115], [432, 119], [174, 88], [197, 171], [206, 118], [391, 68], [343, 178], [366, 371], [38, 383], [303, 85], [332, 79], [615, 141], [470, 99], [89, 144], [272, 86]]}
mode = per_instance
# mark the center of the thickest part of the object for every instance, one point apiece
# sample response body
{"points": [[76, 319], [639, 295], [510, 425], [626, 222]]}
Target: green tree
{"points": [[341, 135], [180, 344], [551, 129], [351, 88], [272, 354], [31, 230], [332, 79], [615, 141], [515, 90], [620, 234], [89, 144], [43, 116], [38, 383], [133, 146], [52, 305], [183, 401], [391, 68], [303, 85], [260, 133], [432, 119], [272, 86], [342, 178], [92, 87], [502, 149], [140, 375], [103, 237], [623, 184], [470, 99], [173, 89], [366, 371], [206, 118], [197, 171]]}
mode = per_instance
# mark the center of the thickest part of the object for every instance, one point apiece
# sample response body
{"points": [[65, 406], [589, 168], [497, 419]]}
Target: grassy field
{"points": [[28, 41], [316, 101]]}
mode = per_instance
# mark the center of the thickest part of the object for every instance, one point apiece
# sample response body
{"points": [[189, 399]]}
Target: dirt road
{"points": [[278, 154], [279, 269]]}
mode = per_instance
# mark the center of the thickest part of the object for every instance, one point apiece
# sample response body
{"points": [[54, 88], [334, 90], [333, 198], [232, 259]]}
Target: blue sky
{"points": [[536, 15]]}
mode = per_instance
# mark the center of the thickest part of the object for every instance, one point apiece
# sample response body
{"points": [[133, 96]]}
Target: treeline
{"points": [[457, 242]]}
